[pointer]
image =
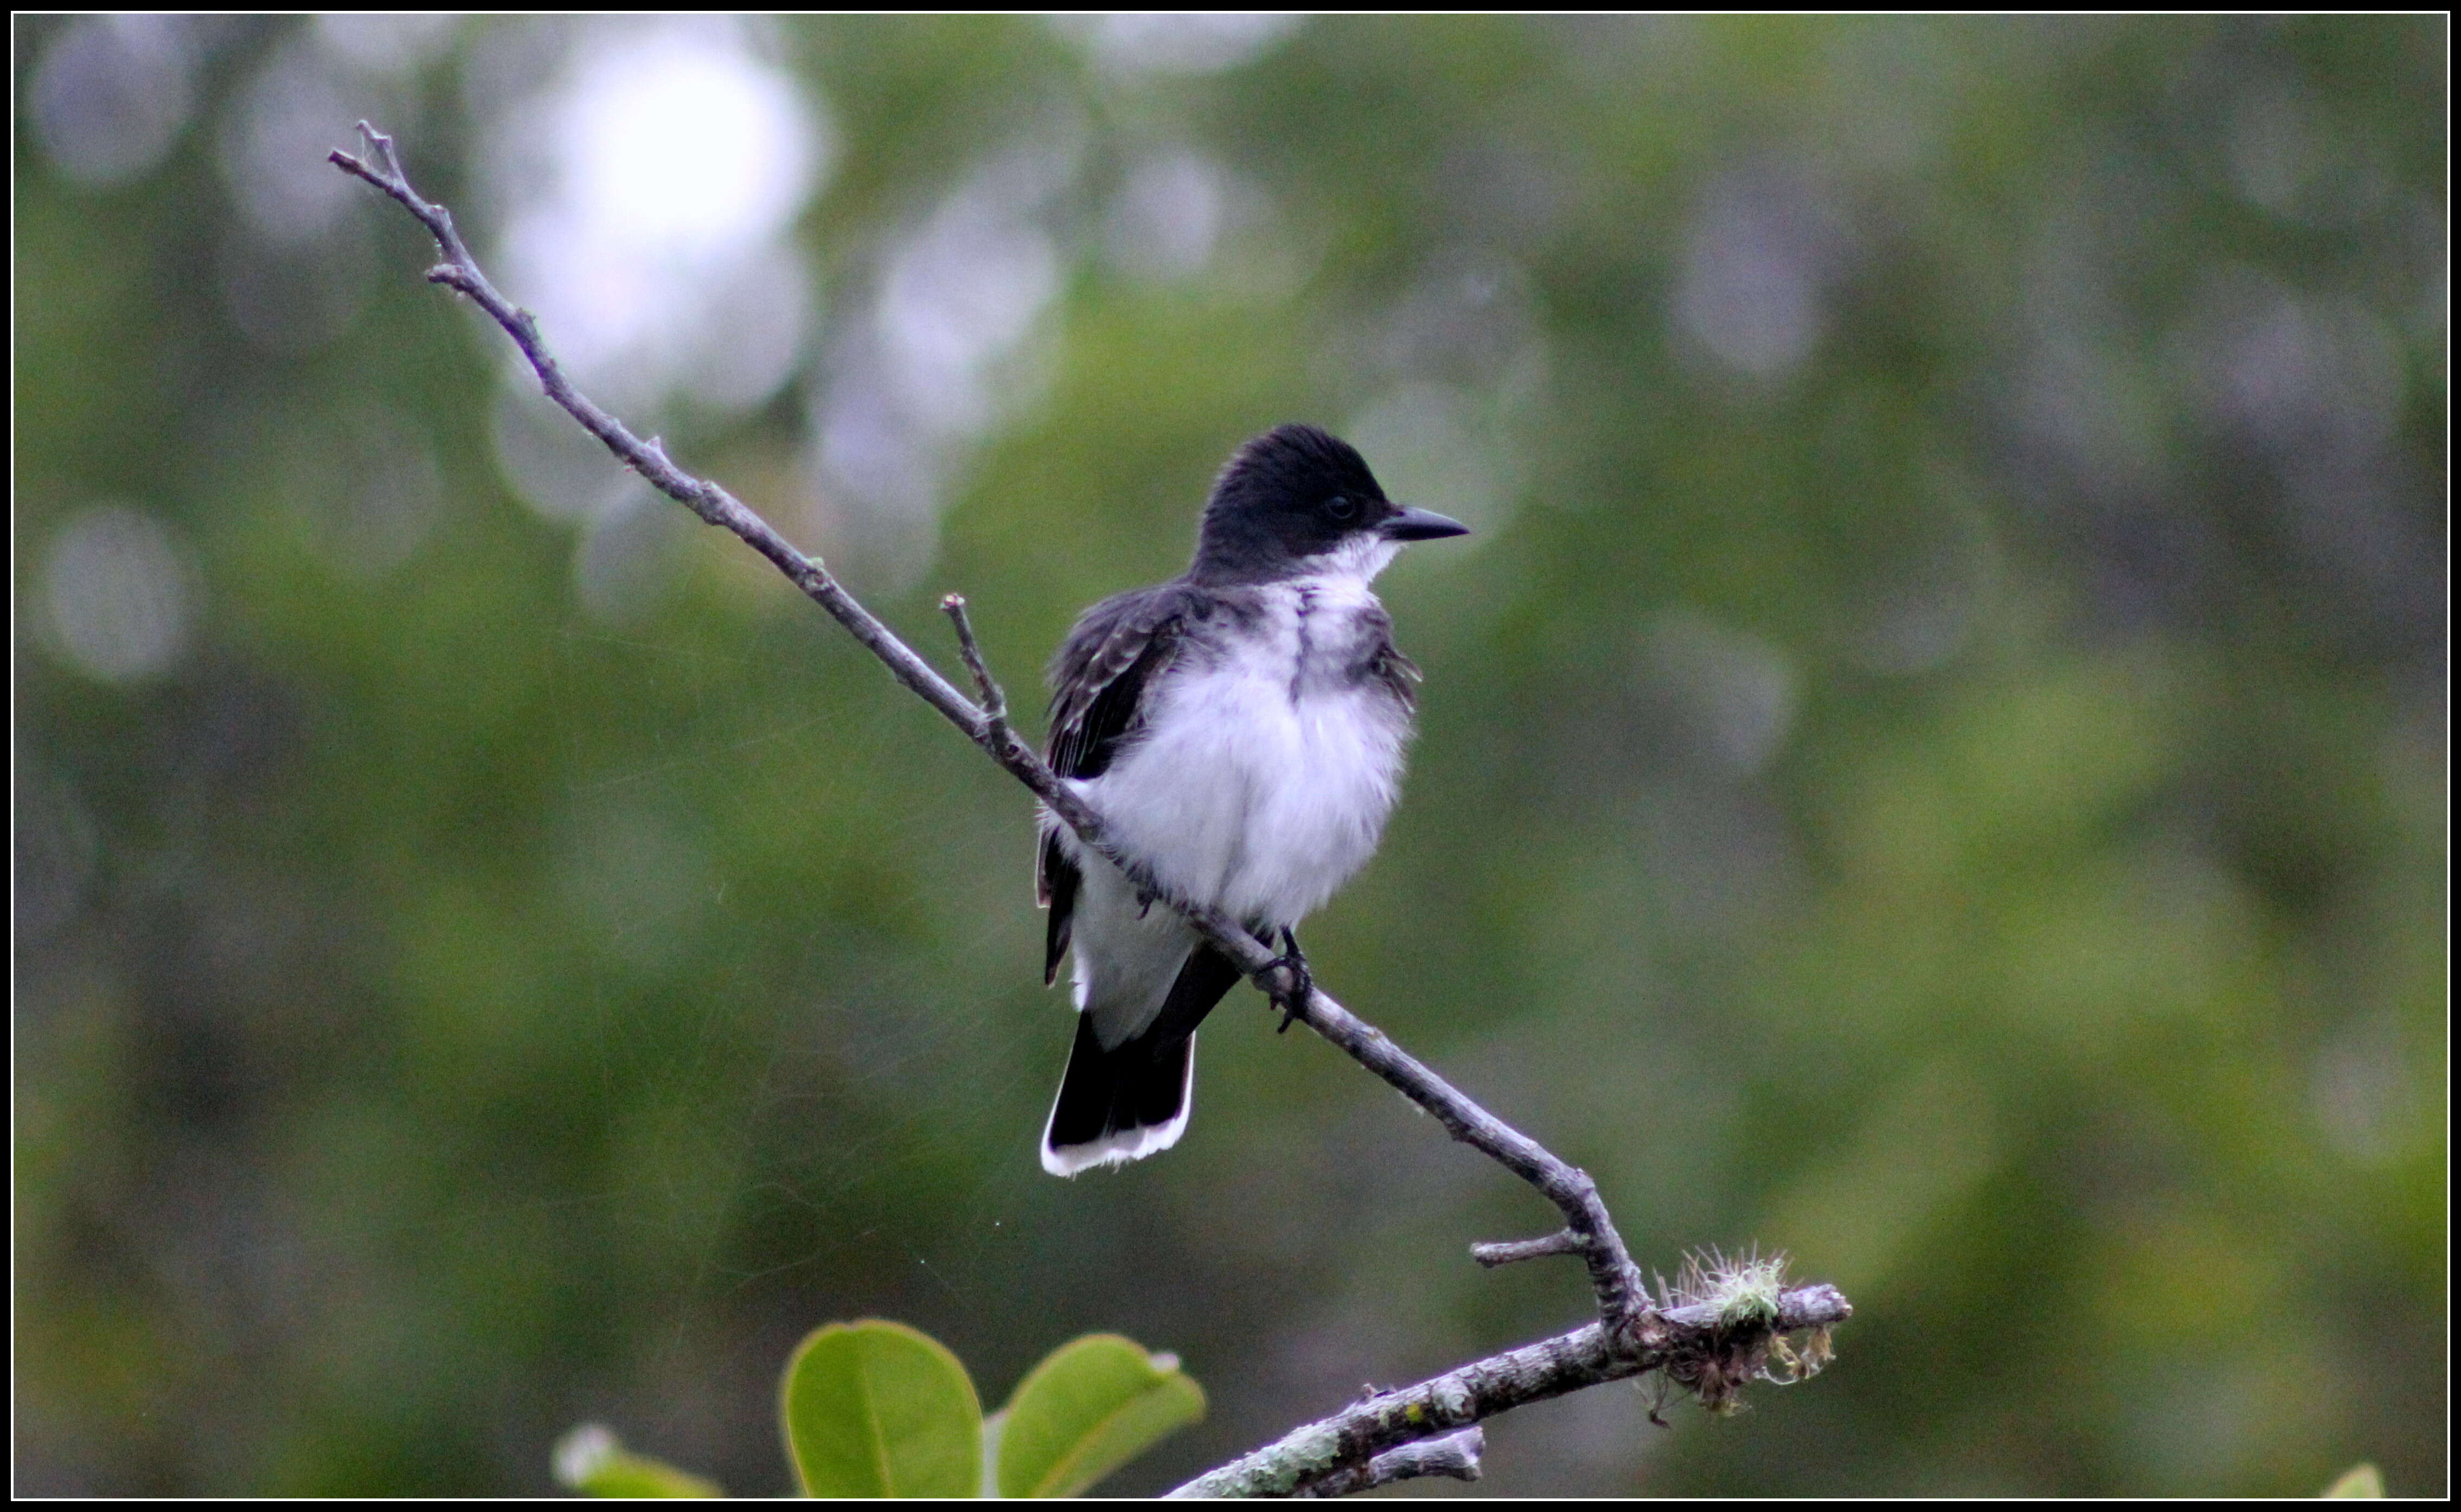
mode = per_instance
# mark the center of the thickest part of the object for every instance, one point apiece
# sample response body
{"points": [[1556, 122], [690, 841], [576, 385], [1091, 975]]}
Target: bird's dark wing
{"points": [[1099, 680], [1054, 888], [1100, 677], [1383, 662]]}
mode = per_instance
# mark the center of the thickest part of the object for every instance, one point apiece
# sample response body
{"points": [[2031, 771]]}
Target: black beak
{"points": [[1422, 524]]}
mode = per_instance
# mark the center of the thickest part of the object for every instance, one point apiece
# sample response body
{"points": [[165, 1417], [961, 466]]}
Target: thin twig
{"points": [[994, 702], [1627, 1321], [1504, 1252]]}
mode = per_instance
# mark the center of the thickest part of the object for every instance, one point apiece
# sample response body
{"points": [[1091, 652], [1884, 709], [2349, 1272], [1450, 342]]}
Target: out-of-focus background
{"points": [[1935, 758]]}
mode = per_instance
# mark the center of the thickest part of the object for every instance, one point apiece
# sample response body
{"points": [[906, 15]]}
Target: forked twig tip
{"points": [[994, 702]]}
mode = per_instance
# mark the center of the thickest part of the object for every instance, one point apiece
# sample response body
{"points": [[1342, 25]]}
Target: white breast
{"points": [[1268, 772]]}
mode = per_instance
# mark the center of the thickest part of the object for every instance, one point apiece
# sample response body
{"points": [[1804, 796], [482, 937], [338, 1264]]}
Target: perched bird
{"points": [[1239, 729]]}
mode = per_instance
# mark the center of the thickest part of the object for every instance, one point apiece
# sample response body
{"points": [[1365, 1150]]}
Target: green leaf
{"points": [[1090, 1407], [877, 1409], [590, 1460], [2358, 1481]]}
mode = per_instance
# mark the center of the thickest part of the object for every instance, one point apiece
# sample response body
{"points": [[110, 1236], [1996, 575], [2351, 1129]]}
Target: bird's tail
{"points": [[1120, 1104]]}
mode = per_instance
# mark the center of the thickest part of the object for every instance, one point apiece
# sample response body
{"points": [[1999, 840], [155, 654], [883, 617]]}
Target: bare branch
{"points": [[459, 272], [1691, 1351], [1454, 1455], [1611, 1272], [1619, 1344]]}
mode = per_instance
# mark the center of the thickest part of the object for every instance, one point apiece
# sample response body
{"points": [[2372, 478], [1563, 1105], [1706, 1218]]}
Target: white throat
{"points": [[1357, 560]]}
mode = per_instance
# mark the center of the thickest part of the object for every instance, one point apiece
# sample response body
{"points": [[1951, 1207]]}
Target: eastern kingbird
{"points": [[1240, 730]]}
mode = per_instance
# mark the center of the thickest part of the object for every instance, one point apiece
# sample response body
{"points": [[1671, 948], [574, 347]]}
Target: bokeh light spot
{"points": [[118, 593]]}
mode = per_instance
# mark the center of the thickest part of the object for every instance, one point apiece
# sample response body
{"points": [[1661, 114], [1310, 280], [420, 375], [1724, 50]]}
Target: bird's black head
{"points": [[1293, 496]]}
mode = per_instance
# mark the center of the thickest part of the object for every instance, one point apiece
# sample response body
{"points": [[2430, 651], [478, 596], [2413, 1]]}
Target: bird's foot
{"points": [[1294, 961]]}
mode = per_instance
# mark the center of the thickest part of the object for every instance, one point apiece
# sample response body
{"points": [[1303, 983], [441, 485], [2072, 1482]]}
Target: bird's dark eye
{"points": [[1342, 507]]}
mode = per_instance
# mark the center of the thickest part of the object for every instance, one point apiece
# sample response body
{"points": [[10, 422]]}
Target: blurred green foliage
{"points": [[875, 1409], [1935, 758], [2358, 1482], [592, 1460]]}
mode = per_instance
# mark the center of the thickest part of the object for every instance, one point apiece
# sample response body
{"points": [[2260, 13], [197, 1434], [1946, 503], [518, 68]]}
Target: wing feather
{"points": [[1099, 681], [1099, 678], [1384, 662]]}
